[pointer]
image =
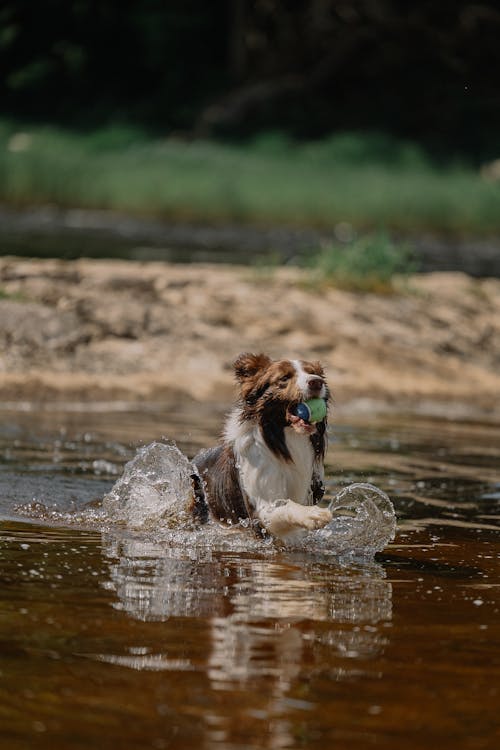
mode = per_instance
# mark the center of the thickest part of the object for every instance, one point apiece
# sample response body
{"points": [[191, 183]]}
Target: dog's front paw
{"points": [[316, 518]]}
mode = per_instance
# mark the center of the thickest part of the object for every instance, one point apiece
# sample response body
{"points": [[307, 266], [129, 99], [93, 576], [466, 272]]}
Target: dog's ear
{"points": [[318, 368], [247, 365]]}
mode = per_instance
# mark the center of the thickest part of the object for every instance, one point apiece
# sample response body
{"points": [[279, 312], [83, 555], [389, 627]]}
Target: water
{"points": [[137, 638], [48, 232]]}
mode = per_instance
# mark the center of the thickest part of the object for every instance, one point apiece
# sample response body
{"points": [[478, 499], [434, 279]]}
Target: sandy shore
{"points": [[106, 330]]}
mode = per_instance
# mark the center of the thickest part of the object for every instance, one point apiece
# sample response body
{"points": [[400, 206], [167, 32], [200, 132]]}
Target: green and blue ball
{"points": [[313, 410]]}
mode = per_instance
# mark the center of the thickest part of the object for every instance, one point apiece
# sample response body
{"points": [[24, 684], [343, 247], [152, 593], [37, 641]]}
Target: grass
{"points": [[369, 263], [16, 297], [367, 181]]}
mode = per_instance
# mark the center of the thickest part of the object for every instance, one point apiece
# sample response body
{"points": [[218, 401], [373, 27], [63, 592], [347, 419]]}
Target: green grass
{"points": [[372, 262], [368, 181], [16, 297]]}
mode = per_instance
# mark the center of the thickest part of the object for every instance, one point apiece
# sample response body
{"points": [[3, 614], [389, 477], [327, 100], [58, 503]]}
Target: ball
{"points": [[317, 408], [312, 410], [302, 411]]}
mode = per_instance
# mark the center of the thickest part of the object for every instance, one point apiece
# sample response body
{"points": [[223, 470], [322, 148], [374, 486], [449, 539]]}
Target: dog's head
{"points": [[270, 389]]}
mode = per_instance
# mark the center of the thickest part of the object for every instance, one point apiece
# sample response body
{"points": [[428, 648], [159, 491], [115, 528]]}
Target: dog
{"points": [[267, 472]]}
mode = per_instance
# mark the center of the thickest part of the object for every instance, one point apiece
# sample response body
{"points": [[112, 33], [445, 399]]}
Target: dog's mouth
{"points": [[298, 424]]}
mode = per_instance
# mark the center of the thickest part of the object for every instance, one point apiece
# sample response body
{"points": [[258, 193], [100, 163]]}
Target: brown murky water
{"points": [[115, 640]]}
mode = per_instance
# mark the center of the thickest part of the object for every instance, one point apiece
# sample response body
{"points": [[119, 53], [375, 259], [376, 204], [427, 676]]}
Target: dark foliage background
{"points": [[425, 70]]}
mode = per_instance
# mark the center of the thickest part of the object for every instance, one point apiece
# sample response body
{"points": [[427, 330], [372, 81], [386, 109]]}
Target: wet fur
{"points": [[266, 454]]}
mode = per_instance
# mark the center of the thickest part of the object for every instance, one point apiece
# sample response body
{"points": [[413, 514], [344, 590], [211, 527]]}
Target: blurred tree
{"points": [[152, 61], [425, 70]]}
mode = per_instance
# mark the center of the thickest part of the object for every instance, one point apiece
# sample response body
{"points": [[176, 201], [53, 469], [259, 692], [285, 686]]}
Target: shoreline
{"points": [[77, 232], [121, 331]]}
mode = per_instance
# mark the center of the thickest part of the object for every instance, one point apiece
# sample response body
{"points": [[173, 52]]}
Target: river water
{"points": [[112, 638]]}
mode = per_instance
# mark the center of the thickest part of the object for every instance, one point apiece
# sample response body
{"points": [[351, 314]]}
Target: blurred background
{"points": [[329, 118], [426, 71]]}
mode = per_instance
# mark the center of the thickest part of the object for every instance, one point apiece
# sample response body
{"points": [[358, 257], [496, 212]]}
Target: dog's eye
{"points": [[284, 379]]}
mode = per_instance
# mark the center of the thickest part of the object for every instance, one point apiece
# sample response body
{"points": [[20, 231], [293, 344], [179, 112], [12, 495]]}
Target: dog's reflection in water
{"points": [[256, 620], [252, 605]]}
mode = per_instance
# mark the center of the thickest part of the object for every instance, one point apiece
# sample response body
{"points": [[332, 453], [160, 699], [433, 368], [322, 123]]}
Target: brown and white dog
{"points": [[269, 465]]}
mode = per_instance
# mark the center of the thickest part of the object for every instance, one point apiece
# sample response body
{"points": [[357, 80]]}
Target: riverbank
{"points": [[92, 331], [49, 231]]}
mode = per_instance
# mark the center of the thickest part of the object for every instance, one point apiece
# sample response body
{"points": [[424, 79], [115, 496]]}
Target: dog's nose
{"points": [[315, 385]]}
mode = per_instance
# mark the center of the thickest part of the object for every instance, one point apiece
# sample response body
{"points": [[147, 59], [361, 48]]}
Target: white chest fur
{"points": [[265, 476]]}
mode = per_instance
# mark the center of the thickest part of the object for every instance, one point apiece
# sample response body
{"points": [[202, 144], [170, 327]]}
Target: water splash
{"points": [[155, 488], [153, 497], [155, 493], [364, 521]]}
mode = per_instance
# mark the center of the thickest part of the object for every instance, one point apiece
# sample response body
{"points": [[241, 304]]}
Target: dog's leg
{"points": [[199, 505], [285, 519]]}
